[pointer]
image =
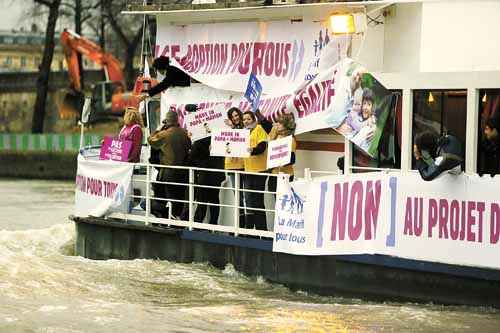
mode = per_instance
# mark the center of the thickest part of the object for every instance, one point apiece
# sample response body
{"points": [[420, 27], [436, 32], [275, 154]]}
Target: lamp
{"points": [[431, 98], [342, 23], [484, 98]]}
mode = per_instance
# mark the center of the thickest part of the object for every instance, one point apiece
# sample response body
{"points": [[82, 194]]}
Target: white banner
{"points": [[102, 187], [453, 219], [201, 123], [282, 54], [279, 152], [230, 142]]}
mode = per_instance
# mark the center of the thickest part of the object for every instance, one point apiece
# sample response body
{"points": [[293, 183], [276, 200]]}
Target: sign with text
{"points": [[282, 54], [201, 123], [102, 187], [253, 92], [230, 142], [453, 219], [115, 149], [279, 152]]}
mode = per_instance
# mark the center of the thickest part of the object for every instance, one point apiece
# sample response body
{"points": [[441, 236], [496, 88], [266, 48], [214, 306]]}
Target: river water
{"points": [[44, 287]]}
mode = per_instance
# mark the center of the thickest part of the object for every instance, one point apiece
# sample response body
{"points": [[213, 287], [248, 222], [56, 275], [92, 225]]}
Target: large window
{"points": [[440, 111], [488, 151]]}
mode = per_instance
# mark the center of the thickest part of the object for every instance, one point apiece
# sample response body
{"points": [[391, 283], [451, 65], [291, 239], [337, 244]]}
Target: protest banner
{"points": [[253, 92], [230, 142], [115, 149], [279, 152], [333, 99], [102, 187], [453, 219], [201, 123], [282, 54]]}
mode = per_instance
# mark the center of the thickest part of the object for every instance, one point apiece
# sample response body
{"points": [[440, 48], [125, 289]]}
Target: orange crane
{"points": [[108, 97]]}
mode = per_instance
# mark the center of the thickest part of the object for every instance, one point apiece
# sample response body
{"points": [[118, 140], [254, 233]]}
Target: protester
{"points": [[490, 148], [173, 76], [200, 158], [132, 131], [255, 163], [436, 155], [284, 127], [174, 145], [235, 120]]}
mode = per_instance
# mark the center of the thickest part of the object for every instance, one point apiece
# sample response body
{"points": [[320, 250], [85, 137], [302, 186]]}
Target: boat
{"points": [[392, 236]]}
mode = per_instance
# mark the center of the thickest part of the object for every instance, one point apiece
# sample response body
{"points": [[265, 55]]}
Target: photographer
{"points": [[436, 155], [174, 145]]}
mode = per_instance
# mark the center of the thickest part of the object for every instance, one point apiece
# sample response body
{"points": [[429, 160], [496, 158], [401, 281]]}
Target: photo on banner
{"points": [[200, 124], [230, 142]]}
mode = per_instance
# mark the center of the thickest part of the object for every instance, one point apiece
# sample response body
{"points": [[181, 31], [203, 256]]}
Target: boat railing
{"points": [[146, 215]]}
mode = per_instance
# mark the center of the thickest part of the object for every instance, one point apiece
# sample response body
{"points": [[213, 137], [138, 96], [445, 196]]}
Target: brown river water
{"points": [[44, 287]]}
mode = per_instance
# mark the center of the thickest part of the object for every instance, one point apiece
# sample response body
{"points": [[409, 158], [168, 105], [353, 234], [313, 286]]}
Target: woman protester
{"points": [[235, 120], [256, 162], [132, 131], [284, 127]]}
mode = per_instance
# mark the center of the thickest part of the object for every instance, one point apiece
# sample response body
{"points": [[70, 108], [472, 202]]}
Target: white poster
{"points": [[230, 142], [453, 219], [291, 235], [282, 54], [279, 152], [201, 123], [102, 187]]}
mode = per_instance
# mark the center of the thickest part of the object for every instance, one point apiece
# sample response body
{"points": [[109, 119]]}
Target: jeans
{"points": [[255, 218]]}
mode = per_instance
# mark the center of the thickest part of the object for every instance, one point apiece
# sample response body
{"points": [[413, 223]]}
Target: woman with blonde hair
{"points": [[132, 131], [284, 126]]}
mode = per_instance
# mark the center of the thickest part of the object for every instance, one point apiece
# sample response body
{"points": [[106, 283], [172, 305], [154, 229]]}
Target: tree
{"points": [[129, 39], [43, 76]]}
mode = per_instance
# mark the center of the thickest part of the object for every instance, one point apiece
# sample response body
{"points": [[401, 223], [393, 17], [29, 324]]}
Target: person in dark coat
{"points": [[490, 148], [200, 158], [436, 155], [173, 76], [174, 145]]}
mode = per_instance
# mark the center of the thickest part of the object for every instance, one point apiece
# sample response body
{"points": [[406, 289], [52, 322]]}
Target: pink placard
{"points": [[115, 149]]}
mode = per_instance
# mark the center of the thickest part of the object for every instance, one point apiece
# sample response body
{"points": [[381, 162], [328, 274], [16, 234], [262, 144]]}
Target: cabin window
{"points": [[389, 148], [487, 155], [440, 111]]}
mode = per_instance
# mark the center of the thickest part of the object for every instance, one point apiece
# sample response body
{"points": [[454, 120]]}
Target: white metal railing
{"points": [[148, 218]]}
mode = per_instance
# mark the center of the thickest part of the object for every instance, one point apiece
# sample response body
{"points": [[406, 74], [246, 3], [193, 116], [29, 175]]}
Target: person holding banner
{"points": [[284, 127], [436, 155], [173, 76], [235, 120], [132, 131], [257, 162]]}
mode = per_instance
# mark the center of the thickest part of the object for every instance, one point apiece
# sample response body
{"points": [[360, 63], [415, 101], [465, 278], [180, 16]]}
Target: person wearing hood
{"points": [[284, 127], [174, 145], [172, 76], [256, 162], [490, 148], [436, 155]]}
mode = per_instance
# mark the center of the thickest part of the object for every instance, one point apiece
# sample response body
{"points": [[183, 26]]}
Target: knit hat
{"points": [[171, 118]]}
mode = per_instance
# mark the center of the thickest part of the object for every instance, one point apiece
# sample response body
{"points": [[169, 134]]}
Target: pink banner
{"points": [[115, 149]]}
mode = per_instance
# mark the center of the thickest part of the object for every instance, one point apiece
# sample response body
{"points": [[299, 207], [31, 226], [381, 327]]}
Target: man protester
{"points": [[174, 145], [172, 76], [490, 147], [436, 155]]}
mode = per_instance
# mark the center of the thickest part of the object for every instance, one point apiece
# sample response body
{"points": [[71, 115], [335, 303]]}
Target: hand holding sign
{"points": [[230, 142]]}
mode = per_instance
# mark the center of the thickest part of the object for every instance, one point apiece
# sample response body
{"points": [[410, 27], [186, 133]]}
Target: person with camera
{"points": [[174, 145], [436, 155]]}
